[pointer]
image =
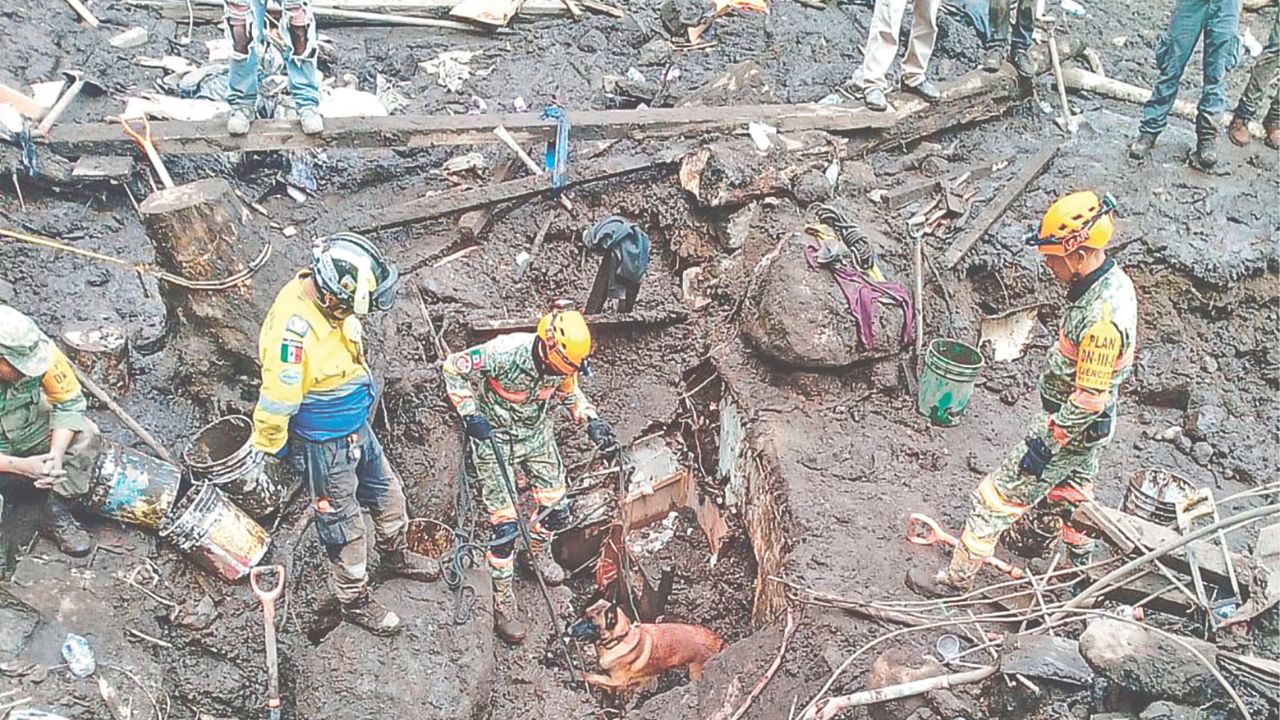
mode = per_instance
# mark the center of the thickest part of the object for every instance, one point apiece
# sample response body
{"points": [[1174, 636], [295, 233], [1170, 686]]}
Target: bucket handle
{"points": [[273, 592]]}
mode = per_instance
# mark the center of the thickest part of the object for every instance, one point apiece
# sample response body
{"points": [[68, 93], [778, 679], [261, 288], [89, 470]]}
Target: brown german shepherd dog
{"points": [[633, 654]]}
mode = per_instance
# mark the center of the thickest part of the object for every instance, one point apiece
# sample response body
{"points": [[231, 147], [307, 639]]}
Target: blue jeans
{"points": [[1216, 20], [242, 74], [1022, 27]]}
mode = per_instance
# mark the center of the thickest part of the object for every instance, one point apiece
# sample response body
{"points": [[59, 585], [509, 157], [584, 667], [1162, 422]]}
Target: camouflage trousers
{"points": [[1006, 494], [532, 458]]}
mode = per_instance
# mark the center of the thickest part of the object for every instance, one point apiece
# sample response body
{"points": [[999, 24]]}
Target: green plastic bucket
{"points": [[950, 370]]}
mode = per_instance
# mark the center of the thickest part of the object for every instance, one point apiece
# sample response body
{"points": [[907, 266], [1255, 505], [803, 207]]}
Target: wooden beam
{"points": [[900, 197], [411, 131], [448, 202], [596, 322], [999, 204], [210, 11]]}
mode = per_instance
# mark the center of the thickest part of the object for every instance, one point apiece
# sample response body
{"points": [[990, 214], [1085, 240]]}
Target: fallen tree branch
{"points": [[836, 704], [773, 668], [147, 438]]}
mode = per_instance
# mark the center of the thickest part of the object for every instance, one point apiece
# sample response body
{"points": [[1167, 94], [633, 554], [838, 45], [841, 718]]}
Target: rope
{"points": [[144, 269]]}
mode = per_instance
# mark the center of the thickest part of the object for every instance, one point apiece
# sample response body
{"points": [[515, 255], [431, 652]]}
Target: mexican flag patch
{"points": [[291, 351]]}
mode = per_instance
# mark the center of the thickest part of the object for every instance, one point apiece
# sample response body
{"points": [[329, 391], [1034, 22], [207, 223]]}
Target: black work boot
{"points": [[60, 526], [546, 565], [508, 618], [1023, 64], [371, 615], [1205, 156], [1140, 149], [410, 565], [932, 583]]}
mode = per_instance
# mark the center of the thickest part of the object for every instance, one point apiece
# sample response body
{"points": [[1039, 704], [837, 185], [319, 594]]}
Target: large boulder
{"points": [[896, 667], [797, 315], [18, 622], [1148, 663], [432, 669]]}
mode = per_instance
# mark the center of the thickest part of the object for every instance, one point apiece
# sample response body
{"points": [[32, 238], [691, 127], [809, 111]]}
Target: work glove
{"points": [[1036, 458], [477, 427], [602, 434]]}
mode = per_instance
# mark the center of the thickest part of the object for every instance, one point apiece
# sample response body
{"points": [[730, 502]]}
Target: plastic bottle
{"points": [[79, 656]]}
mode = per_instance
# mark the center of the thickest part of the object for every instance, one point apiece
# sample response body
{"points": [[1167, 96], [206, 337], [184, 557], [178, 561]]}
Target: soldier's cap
{"points": [[22, 343]]}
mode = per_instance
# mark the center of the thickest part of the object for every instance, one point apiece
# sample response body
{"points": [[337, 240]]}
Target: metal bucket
{"points": [[132, 487], [216, 534], [222, 454], [1152, 494]]}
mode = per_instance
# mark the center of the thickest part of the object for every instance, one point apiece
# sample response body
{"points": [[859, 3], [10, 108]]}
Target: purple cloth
{"points": [[863, 294]]}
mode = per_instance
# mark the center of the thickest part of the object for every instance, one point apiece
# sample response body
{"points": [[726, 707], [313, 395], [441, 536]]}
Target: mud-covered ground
{"points": [[850, 454]]}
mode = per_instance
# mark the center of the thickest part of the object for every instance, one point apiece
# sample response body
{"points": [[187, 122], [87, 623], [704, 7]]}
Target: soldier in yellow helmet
{"points": [[503, 390], [1057, 461]]}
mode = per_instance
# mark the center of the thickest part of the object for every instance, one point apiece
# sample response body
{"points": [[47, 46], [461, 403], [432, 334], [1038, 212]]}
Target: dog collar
{"points": [[611, 644]]}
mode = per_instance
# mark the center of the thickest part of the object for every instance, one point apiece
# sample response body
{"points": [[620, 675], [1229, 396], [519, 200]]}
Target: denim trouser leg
{"points": [[1024, 25], [242, 70], [998, 17], [304, 78], [1221, 54], [1264, 80], [1173, 49]]}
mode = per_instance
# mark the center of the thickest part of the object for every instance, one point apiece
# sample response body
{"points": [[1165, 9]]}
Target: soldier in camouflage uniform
{"points": [[1057, 461], [45, 437], [503, 390]]}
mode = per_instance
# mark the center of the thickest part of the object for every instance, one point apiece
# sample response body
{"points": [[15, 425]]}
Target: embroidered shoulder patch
{"points": [[290, 376], [476, 356], [291, 351], [298, 325], [463, 363]]}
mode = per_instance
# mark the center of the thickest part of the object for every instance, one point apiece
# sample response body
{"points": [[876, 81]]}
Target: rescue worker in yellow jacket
{"points": [[504, 390], [315, 404], [1057, 461]]}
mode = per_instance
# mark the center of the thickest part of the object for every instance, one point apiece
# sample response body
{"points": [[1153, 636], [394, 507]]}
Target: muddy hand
{"points": [[51, 472]]}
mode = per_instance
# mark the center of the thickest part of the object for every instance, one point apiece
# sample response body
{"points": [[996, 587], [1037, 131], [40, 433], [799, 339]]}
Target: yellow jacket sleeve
{"points": [[283, 369], [63, 392]]}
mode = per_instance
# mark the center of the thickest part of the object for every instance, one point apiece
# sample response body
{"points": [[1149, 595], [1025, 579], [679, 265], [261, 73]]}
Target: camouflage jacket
{"points": [[1093, 356], [500, 381]]}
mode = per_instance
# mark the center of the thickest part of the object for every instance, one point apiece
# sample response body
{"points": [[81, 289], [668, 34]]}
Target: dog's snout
{"points": [[584, 629]]}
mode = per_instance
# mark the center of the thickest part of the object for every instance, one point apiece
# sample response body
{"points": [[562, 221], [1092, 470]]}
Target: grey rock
{"points": [[1202, 453], [798, 316], [893, 668], [1142, 661], [680, 14], [6, 291], [1184, 444], [810, 187], [18, 622], [592, 41], [1168, 711], [655, 52]]}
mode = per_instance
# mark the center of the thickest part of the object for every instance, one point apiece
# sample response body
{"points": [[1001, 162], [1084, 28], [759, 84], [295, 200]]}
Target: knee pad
{"points": [[502, 539]]}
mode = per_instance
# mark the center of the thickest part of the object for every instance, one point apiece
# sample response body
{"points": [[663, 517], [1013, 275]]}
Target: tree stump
{"points": [[102, 353], [201, 232]]}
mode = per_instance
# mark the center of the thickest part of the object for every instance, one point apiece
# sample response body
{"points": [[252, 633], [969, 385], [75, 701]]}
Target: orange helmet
{"points": [[1080, 219], [567, 339]]}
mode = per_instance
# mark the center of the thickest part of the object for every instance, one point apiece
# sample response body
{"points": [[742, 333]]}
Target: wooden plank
{"points": [[1158, 593], [474, 223], [999, 204], [633, 319], [210, 11], [114, 167], [23, 103], [450, 201], [900, 197], [411, 131], [1148, 535]]}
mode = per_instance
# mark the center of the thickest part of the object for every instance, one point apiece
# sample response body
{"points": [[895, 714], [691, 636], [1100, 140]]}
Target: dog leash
{"points": [[510, 489]]}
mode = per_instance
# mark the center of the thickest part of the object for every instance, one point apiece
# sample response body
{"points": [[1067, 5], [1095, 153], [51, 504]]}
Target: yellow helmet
{"points": [[567, 339], [1080, 219]]}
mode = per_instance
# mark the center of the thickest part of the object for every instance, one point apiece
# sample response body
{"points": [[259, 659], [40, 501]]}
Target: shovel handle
{"points": [[267, 594], [144, 141], [922, 530]]}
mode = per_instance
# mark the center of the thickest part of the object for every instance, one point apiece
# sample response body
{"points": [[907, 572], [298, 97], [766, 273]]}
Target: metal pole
{"points": [[510, 489]]}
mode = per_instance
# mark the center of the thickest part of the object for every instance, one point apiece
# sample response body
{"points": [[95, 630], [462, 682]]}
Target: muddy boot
{"points": [[1238, 132], [1205, 156], [1272, 135], [239, 120], [60, 526], [311, 120], [546, 565], [993, 59], [1140, 149], [951, 580], [371, 615], [508, 618], [410, 565], [1023, 64]]}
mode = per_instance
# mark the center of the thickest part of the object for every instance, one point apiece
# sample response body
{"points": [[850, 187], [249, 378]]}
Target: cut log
{"points": [[475, 223], [199, 232], [102, 353], [999, 204], [1081, 79]]}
